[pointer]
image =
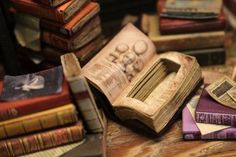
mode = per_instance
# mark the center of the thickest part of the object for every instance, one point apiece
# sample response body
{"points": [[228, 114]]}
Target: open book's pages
{"points": [[139, 83]]}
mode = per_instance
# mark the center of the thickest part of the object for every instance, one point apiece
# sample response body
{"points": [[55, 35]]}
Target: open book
{"points": [[139, 83]]}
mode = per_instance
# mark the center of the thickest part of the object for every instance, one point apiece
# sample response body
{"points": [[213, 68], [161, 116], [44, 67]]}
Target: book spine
{"points": [[37, 122], [41, 141], [56, 40], [38, 10], [11, 111], [87, 104], [216, 118]]}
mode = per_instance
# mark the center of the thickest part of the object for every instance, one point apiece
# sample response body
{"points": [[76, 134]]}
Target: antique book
{"points": [[191, 130], [181, 26], [42, 140], [60, 14], [130, 74], [231, 16], [82, 93], [180, 42], [210, 111], [77, 22], [88, 32], [52, 118], [230, 5], [52, 3], [206, 9], [19, 107]]}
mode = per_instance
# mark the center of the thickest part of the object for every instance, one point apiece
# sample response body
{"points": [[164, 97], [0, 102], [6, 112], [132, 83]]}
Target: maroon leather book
{"points": [[210, 111], [231, 5], [60, 14], [181, 26]]}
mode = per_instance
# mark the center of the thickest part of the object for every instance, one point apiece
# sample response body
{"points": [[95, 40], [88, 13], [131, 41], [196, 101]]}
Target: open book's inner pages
{"points": [[116, 65]]}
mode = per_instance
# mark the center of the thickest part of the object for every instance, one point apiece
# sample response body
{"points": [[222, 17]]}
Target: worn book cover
{"points": [[87, 33], [74, 24], [178, 26], [60, 14], [131, 75], [180, 42], [52, 3]]}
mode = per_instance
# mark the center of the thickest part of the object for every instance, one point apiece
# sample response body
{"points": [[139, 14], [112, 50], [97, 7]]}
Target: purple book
{"points": [[191, 131], [210, 111]]}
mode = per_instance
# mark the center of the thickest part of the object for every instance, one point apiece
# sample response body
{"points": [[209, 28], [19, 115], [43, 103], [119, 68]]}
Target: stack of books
{"points": [[200, 33], [211, 113], [65, 26], [37, 113]]}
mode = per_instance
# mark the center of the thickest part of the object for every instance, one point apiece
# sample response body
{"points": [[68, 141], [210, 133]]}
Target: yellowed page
{"points": [[119, 61]]}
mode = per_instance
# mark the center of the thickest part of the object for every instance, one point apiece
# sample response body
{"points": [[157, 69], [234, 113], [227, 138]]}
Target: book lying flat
{"points": [[178, 26], [60, 14], [52, 3], [180, 42], [74, 24], [139, 83]]}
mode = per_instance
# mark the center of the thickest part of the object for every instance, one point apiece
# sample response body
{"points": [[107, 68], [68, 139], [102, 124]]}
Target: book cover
{"points": [[139, 84], [74, 24], [210, 111], [52, 118], [60, 14], [180, 42], [87, 33], [230, 5], [178, 26], [196, 131], [41, 141], [52, 3]]}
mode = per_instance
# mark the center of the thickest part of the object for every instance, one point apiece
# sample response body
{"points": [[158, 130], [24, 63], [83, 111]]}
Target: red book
{"points": [[231, 5], [72, 26], [180, 26], [17, 108], [87, 33], [52, 3], [60, 14], [210, 111]]}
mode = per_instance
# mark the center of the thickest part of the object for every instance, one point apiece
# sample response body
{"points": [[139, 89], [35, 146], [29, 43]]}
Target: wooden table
{"points": [[122, 142]]}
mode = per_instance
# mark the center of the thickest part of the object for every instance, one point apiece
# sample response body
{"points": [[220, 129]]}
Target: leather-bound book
{"points": [[231, 5], [52, 3], [87, 33], [60, 14], [77, 22], [181, 26]]}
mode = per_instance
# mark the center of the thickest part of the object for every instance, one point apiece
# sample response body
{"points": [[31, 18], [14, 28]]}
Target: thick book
{"points": [[77, 22], [41, 141], [181, 26], [52, 3], [87, 33], [82, 93], [210, 111], [20, 107], [60, 14], [60, 116], [139, 84], [180, 42]]}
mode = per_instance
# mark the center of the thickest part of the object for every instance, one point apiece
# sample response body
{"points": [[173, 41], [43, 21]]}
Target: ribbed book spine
{"points": [[39, 121], [216, 118], [41, 141]]}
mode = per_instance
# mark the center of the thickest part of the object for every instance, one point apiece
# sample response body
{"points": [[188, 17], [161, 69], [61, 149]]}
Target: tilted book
{"points": [[74, 24], [40, 141], [52, 3], [178, 26], [82, 93], [179, 42], [87, 33], [210, 111], [60, 14], [139, 83]]}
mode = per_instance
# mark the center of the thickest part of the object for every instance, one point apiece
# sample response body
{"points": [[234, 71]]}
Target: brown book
{"points": [[139, 84], [52, 118], [60, 14], [87, 33], [52, 3], [72, 26], [40, 141]]}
